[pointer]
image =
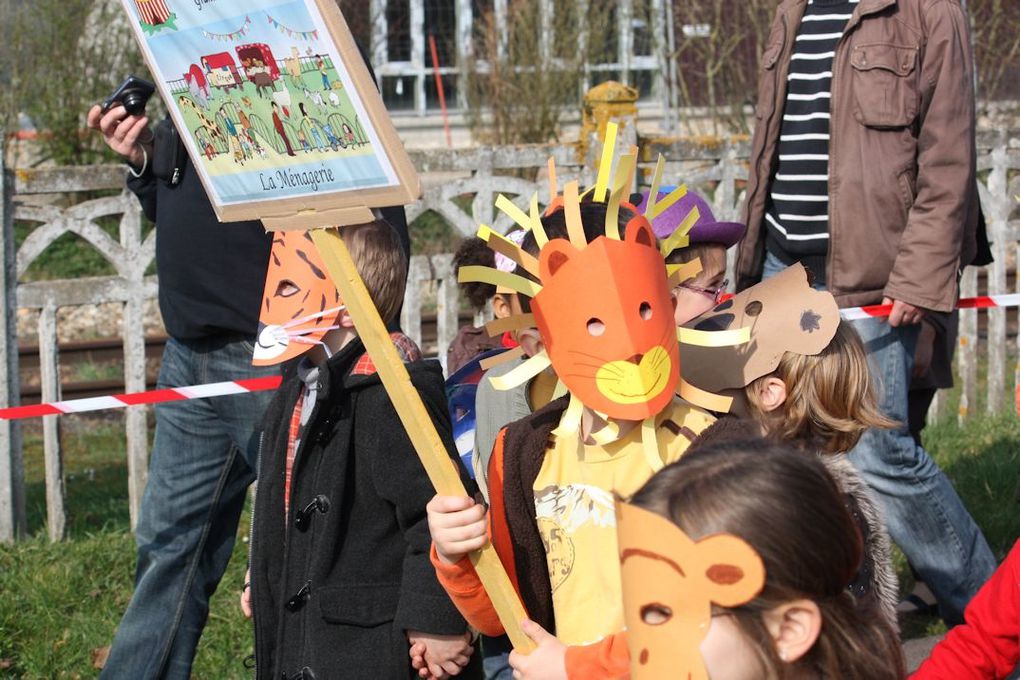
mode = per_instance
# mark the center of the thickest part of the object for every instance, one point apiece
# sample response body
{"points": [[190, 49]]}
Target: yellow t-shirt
{"points": [[576, 518]]}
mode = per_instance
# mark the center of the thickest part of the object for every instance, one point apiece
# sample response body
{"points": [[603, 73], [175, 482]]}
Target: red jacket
{"points": [[987, 646]]}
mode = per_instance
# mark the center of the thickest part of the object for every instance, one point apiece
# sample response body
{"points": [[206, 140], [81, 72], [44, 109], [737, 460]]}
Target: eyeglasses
{"points": [[716, 294]]}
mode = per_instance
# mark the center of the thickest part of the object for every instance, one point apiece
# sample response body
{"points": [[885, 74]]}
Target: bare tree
{"points": [[525, 73]]}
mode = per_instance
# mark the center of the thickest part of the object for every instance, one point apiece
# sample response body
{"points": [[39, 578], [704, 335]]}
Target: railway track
{"points": [[109, 352]]}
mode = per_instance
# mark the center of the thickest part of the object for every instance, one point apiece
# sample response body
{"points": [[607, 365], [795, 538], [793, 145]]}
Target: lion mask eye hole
{"points": [[656, 614], [596, 327], [286, 288], [645, 311]]}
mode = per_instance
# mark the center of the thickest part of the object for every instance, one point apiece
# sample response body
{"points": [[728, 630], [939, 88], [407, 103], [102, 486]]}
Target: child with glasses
{"points": [[709, 240]]}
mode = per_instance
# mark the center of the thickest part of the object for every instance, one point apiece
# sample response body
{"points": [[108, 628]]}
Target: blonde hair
{"points": [[830, 397], [380, 261]]}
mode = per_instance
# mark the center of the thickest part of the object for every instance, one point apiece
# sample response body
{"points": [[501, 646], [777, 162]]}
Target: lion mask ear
{"points": [[669, 585], [639, 231], [554, 255]]}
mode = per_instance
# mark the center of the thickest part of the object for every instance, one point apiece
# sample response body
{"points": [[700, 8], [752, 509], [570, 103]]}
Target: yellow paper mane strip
{"points": [[504, 246], [706, 400], [678, 273], [510, 323], [570, 421], [624, 173], [607, 434], [606, 164], [536, 223], [499, 359], [508, 208], [680, 237], [667, 201], [572, 211], [554, 189], [523, 373], [497, 278], [653, 193], [728, 338], [650, 444]]}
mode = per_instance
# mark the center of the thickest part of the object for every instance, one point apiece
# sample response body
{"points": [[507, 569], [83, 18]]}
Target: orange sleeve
{"points": [[607, 659], [460, 580]]}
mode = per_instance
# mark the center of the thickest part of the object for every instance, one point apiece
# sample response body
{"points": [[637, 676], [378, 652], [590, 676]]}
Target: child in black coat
{"points": [[340, 580]]}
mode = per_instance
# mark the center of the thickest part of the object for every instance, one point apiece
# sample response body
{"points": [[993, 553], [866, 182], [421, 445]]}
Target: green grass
{"points": [[60, 602]]}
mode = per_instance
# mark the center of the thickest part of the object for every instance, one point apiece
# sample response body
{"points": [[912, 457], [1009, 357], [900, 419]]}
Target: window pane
{"points": [[398, 30]]}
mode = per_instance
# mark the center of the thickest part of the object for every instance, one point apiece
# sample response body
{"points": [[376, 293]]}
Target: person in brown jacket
{"points": [[863, 168]]}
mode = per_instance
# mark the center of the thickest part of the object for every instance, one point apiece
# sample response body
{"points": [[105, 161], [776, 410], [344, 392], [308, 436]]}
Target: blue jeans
{"points": [[496, 658], [203, 460], [923, 513]]}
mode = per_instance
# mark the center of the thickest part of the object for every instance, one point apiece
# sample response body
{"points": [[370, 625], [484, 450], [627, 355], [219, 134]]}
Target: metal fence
{"points": [[465, 186]]}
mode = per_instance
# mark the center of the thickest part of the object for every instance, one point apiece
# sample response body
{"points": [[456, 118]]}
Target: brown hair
{"points": [[712, 256], [790, 511], [380, 261], [830, 398]]}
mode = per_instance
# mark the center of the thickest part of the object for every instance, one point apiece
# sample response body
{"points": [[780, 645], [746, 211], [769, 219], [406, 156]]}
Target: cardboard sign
{"points": [[276, 108], [669, 585]]}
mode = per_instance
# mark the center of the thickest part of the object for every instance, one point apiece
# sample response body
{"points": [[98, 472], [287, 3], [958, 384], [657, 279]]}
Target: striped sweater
{"points": [[797, 212]]}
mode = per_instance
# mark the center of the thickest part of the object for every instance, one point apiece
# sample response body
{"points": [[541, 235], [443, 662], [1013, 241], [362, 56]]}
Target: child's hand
{"points": [[457, 525], [547, 662], [436, 657], [246, 594]]}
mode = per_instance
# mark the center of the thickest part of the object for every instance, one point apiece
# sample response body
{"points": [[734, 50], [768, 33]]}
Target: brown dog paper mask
{"points": [[300, 303], [669, 585], [784, 314]]}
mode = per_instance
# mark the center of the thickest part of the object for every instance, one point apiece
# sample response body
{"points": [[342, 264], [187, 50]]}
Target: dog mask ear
{"points": [[669, 585]]}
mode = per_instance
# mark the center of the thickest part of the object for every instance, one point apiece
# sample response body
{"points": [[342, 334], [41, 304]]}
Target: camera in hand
{"points": [[133, 94]]}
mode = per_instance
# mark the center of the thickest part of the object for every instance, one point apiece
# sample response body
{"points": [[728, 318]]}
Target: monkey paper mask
{"points": [[669, 586], [300, 304]]}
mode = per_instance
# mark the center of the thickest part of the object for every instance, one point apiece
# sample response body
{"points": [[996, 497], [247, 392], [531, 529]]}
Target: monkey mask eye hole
{"points": [[645, 311], [656, 614], [596, 327]]}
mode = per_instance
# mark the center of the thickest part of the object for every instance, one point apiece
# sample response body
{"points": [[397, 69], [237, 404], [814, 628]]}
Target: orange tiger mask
{"points": [[300, 304]]}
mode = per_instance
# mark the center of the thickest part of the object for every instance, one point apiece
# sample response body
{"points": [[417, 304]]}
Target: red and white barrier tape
{"points": [[219, 389], [982, 302]]}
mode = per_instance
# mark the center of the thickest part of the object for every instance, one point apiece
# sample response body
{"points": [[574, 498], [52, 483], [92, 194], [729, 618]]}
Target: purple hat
{"points": [[705, 230]]}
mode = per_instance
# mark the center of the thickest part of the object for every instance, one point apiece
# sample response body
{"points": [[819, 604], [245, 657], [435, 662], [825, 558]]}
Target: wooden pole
{"points": [[407, 402]]}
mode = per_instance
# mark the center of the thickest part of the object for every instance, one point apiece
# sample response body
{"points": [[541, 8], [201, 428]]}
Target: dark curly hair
{"points": [[474, 251]]}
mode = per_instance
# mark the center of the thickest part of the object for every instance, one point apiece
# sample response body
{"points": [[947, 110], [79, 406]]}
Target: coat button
{"points": [[303, 517], [300, 598]]}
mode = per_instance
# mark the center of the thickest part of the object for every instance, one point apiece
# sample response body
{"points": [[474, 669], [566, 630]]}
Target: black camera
{"points": [[133, 94]]}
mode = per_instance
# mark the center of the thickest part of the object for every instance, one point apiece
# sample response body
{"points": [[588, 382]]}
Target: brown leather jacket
{"points": [[902, 193]]}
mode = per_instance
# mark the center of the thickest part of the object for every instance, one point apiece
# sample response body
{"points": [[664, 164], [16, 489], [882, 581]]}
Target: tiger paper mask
{"points": [[606, 316], [670, 583], [300, 304]]}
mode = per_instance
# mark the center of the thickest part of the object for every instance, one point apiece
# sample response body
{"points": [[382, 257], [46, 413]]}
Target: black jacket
{"points": [[211, 275], [337, 595]]}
